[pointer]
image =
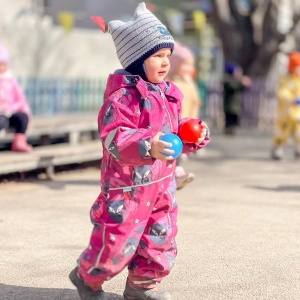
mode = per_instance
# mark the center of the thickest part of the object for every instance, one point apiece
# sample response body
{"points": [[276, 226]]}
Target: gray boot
{"points": [[85, 292], [276, 153], [144, 294]]}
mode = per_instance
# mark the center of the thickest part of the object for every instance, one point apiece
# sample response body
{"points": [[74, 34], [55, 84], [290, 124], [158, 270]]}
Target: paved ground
{"points": [[239, 228]]}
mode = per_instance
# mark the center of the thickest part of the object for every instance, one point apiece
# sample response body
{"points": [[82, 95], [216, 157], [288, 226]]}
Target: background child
{"points": [[14, 109], [234, 83], [287, 121], [182, 69], [135, 214]]}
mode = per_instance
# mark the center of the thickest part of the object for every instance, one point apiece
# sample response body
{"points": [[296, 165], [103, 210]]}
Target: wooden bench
{"points": [[72, 126], [77, 149], [50, 156]]}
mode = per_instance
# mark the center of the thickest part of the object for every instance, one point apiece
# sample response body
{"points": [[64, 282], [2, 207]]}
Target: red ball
{"points": [[190, 131]]}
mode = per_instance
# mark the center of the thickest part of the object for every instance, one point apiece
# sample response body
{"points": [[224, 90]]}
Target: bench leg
{"points": [[50, 172], [22, 176], [74, 137], [44, 140]]}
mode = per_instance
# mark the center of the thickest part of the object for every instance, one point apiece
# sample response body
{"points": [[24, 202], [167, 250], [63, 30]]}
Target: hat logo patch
{"points": [[163, 30]]}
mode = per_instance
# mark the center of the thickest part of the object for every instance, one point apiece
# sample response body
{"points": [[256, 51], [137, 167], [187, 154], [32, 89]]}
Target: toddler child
{"points": [[135, 214], [287, 121], [14, 108], [233, 86]]}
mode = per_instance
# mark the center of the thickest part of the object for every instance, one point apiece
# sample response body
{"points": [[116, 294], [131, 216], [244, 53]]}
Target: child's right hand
{"points": [[159, 147]]}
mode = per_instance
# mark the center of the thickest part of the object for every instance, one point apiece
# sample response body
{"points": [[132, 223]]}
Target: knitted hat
{"points": [[230, 67], [179, 55], [139, 38], [294, 61], [4, 57]]}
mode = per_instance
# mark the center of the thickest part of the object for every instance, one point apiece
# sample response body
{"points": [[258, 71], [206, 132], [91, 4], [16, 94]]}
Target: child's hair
{"points": [[4, 56], [294, 61], [139, 38]]}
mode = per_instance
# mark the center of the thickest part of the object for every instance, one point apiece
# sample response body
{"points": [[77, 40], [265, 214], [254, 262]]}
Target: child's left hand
{"points": [[203, 133]]}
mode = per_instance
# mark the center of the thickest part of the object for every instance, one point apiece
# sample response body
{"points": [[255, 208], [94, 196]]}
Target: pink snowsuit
{"points": [[135, 214], [12, 98]]}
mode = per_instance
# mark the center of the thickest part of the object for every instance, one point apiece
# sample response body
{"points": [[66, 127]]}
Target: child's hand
{"points": [[159, 147], [203, 133], [246, 81]]}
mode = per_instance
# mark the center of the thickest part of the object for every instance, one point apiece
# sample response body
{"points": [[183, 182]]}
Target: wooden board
{"points": [[49, 156], [57, 125]]}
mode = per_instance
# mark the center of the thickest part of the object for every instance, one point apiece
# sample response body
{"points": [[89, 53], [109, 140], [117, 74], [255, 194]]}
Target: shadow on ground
{"points": [[279, 188], [11, 292], [60, 185]]}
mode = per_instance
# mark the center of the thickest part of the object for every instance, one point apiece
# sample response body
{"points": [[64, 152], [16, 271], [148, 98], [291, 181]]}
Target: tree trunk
{"points": [[239, 37]]}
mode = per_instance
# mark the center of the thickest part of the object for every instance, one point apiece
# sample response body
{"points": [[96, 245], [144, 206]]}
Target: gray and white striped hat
{"points": [[139, 38]]}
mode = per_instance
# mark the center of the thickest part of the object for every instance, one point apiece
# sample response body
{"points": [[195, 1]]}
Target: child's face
{"points": [[3, 67], [157, 65], [186, 68]]}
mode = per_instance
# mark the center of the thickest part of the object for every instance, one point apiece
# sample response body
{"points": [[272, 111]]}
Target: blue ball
{"points": [[176, 144]]}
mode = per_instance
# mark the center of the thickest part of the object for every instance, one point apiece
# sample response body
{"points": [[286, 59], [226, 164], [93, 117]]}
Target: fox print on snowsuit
{"points": [[135, 214]]}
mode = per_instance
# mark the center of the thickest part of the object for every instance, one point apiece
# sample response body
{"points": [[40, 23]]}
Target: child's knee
{"points": [[4, 122]]}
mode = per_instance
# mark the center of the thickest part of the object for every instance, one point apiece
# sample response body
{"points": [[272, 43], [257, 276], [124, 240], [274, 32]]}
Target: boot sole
{"points": [[133, 297], [184, 183], [72, 278], [129, 297], [80, 285]]}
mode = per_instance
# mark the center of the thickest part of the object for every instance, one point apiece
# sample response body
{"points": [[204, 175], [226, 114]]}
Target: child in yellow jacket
{"points": [[287, 122]]}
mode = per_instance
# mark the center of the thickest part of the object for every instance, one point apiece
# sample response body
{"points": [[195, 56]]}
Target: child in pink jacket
{"points": [[14, 109], [135, 214]]}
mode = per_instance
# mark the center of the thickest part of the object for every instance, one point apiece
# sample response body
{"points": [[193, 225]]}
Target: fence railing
{"points": [[60, 96], [258, 104]]}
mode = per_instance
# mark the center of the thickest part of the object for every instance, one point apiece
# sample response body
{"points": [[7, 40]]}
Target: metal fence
{"points": [[258, 104], [60, 96]]}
